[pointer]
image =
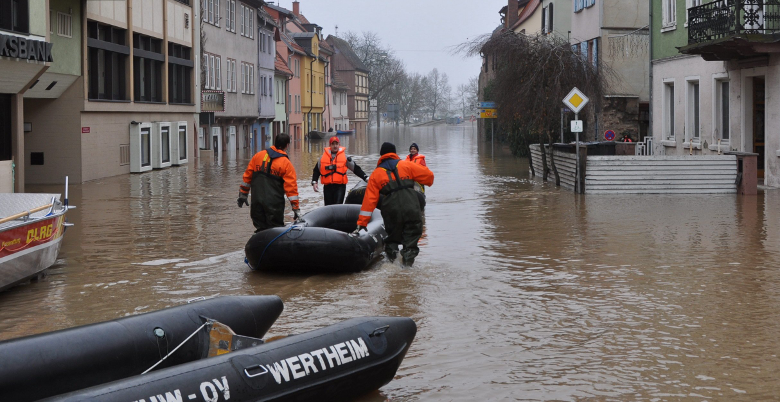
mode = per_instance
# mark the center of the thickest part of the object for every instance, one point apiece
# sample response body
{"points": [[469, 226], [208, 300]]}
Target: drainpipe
{"points": [[650, 40], [311, 89]]}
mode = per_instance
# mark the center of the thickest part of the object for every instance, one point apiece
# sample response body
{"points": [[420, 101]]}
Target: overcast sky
{"points": [[420, 32]]}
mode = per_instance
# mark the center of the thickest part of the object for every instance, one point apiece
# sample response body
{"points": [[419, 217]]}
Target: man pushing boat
{"points": [[270, 175], [394, 179]]}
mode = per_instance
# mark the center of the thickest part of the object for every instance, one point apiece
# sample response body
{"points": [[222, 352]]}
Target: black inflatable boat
{"points": [[355, 195], [319, 243], [335, 363], [54, 363]]}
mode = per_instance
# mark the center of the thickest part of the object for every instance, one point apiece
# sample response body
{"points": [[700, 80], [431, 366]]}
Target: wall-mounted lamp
{"points": [[134, 122]]}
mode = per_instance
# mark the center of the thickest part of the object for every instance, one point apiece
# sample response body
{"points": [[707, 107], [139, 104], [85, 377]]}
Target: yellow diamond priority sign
{"points": [[575, 100]]}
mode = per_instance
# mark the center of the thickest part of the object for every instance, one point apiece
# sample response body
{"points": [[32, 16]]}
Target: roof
{"points": [[345, 49], [528, 11], [294, 47], [326, 47], [281, 66], [280, 10], [303, 19], [304, 40]]}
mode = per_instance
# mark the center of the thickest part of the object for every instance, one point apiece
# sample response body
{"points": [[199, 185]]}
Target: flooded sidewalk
{"points": [[521, 290]]}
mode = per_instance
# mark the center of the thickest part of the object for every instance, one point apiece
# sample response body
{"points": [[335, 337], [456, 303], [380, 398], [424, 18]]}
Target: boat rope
{"points": [[269, 244], [177, 347]]}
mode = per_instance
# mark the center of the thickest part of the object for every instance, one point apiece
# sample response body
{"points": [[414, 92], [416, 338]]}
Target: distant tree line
{"points": [[428, 96]]}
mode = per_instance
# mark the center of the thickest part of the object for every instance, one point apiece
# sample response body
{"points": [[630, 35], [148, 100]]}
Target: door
{"points": [[216, 140], [232, 145], [759, 120]]}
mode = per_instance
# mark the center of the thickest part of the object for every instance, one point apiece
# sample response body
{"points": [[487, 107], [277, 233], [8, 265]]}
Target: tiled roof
{"points": [[344, 48], [278, 9], [303, 19], [528, 11], [291, 43], [281, 66]]}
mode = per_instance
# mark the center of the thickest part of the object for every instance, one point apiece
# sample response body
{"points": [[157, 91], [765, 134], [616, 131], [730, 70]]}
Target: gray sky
{"points": [[419, 31]]}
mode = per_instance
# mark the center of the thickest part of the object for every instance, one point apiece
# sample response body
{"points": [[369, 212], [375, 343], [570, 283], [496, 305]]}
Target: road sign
{"points": [[575, 100], [486, 105], [576, 126], [609, 135], [372, 103], [487, 114], [384, 114]]}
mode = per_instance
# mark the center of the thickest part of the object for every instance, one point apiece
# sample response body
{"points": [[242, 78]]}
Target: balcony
{"points": [[734, 29]]}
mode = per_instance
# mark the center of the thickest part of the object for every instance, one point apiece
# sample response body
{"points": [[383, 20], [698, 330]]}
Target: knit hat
{"points": [[333, 139], [414, 145], [387, 148]]}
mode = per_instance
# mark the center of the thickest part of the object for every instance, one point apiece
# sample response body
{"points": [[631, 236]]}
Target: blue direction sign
{"points": [[487, 105]]}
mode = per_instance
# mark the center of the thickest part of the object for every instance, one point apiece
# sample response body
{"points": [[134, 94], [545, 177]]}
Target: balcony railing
{"points": [[725, 18]]}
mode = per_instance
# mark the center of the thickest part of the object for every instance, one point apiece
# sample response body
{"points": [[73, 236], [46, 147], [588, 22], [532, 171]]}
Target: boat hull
{"points": [[345, 132], [335, 363], [320, 243], [317, 135], [28, 249], [54, 363]]}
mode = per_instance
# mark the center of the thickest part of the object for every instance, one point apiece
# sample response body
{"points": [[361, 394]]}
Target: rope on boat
{"points": [[269, 244], [177, 348]]}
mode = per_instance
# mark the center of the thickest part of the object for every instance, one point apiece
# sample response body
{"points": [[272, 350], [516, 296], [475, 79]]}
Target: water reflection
{"points": [[521, 290]]}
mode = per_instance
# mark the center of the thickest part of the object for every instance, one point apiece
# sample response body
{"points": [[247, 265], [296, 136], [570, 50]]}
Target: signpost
{"points": [[576, 100], [487, 110]]}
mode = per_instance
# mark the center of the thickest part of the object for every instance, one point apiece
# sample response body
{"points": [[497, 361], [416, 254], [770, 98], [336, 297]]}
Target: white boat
{"points": [[31, 229]]}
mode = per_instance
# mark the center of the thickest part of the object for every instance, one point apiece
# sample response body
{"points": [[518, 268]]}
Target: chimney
{"points": [[297, 8], [511, 13]]}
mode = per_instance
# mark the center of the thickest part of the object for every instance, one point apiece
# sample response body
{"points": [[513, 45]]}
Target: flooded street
{"points": [[521, 291]]}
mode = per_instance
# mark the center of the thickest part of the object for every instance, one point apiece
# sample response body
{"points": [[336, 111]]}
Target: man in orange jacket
{"points": [[270, 175], [394, 179], [332, 170]]}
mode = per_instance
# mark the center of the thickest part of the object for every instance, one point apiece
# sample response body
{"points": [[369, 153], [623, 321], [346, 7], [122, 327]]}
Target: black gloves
{"points": [[365, 178], [357, 231], [242, 199], [296, 214]]}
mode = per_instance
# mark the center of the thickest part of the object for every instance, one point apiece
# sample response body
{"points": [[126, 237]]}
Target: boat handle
{"points": [[379, 331], [246, 370], [196, 299]]}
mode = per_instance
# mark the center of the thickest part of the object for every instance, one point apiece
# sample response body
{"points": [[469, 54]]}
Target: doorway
{"points": [[759, 120], [6, 150]]}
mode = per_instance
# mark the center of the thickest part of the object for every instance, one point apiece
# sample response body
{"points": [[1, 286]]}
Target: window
{"points": [[688, 5], [210, 11], [106, 58], [165, 141], [243, 78], [668, 14], [146, 142], [147, 68], [722, 110], [247, 22], [579, 5], [180, 68], [547, 19], [234, 82], [213, 71], [230, 15], [668, 114], [692, 125], [18, 20], [64, 25], [243, 27], [182, 142]]}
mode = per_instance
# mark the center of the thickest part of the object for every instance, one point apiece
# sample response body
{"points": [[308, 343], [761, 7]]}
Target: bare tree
{"points": [[410, 95], [533, 75], [438, 91], [385, 70], [467, 96]]}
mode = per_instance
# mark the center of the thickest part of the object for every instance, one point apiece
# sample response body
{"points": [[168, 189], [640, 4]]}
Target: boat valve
{"points": [[379, 331], [159, 332]]}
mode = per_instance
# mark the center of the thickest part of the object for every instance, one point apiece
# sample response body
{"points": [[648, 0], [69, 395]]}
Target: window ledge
{"points": [[723, 147], [669, 28], [181, 104], [669, 143], [696, 145], [110, 100], [151, 102]]}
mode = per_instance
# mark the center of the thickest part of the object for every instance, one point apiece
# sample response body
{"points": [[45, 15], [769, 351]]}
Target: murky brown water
{"points": [[522, 291]]}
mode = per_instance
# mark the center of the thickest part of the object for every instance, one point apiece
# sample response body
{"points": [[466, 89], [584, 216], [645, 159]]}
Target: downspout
{"points": [[311, 90], [650, 40]]}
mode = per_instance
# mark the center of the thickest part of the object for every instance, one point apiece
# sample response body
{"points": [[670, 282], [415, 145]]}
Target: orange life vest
{"points": [[333, 169], [418, 159]]}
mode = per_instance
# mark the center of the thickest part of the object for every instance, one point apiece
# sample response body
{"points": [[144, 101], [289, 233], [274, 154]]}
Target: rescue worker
{"points": [[415, 155], [270, 175], [332, 170], [394, 179], [626, 138]]}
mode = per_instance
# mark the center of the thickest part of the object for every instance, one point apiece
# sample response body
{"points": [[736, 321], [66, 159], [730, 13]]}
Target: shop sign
{"points": [[212, 101], [23, 48]]}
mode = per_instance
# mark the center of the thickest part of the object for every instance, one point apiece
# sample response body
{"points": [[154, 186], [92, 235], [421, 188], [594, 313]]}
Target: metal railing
{"points": [[723, 18]]}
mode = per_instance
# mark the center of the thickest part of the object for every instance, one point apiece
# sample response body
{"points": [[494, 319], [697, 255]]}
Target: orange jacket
{"points": [[281, 167], [418, 159], [378, 179], [339, 174]]}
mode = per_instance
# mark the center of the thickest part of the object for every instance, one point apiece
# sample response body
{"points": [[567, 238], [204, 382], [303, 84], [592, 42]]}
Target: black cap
{"points": [[387, 148], [414, 145]]}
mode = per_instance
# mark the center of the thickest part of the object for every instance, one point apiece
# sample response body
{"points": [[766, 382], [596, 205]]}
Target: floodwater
{"points": [[522, 291]]}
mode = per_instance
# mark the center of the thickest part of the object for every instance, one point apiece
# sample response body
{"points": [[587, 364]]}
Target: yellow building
{"points": [[312, 80]]}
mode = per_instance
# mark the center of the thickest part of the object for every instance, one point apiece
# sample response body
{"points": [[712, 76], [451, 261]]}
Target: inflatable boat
{"points": [[335, 363], [356, 194], [319, 243], [54, 363]]}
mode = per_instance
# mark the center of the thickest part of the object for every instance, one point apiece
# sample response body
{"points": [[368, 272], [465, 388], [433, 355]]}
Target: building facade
{"points": [[266, 107], [714, 94], [132, 106], [282, 74], [339, 102], [355, 74]]}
